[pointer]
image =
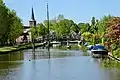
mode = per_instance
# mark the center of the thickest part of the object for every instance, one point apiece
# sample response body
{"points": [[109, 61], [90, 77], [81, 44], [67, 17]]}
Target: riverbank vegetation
{"points": [[105, 31], [10, 25], [108, 63], [7, 49]]}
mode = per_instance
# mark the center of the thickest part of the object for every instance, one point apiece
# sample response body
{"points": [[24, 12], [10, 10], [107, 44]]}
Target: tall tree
{"points": [[93, 21], [102, 24], [75, 28], [80, 25], [85, 28], [42, 30], [10, 24], [3, 19], [15, 26], [93, 25], [63, 27], [113, 30]]}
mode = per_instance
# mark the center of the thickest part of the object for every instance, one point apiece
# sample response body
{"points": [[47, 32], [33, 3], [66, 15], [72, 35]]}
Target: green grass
{"points": [[17, 47], [3, 49]]}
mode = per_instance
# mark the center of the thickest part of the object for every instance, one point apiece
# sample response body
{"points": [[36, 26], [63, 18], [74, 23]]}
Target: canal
{"points": [[62, 65]]}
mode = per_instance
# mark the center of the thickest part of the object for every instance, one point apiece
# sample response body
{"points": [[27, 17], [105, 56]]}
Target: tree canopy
{"points": [[10, 24], [113, 30]]}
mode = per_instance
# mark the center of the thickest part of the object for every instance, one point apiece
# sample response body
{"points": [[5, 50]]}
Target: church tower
{"points": [[32, 21]]}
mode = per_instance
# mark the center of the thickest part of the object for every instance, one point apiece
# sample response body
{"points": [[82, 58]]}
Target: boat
{"points": [[99, 51], [90, 47]]}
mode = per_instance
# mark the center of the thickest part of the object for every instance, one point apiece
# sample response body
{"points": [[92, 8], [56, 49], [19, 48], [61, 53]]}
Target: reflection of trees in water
{"points": [[7, 69], [118, 75], [112, 67], [14, 56], [7, 60]]}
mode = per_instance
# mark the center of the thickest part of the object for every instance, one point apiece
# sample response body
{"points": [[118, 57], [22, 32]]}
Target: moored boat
{"points": [[99, 51]]}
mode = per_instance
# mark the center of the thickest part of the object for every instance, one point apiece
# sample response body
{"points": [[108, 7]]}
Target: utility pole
{"points": [[48, 30]]}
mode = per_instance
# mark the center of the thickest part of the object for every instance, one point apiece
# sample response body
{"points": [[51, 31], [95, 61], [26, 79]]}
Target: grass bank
{"points": [[19, 47]]}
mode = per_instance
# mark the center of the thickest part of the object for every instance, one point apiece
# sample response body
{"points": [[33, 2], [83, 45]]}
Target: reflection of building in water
{"points": [[26, 36]]}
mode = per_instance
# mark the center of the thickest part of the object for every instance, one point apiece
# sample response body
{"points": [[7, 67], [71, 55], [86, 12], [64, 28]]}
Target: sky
{"points": [[77, 10]]}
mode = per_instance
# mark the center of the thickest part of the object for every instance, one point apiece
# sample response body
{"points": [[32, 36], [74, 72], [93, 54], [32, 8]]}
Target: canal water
{"points": [[62, 65]]}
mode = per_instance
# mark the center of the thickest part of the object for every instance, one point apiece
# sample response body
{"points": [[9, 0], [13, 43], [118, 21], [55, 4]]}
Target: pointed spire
{"points": [[32, 16]]}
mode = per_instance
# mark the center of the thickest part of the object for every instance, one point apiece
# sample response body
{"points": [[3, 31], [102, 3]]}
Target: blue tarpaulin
{"points": [[96, 47]]}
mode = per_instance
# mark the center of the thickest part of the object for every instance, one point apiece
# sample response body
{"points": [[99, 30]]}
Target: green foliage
{"points": [[80, 25], [41, 29], [94, 25], [93, 21], [15, 26], [3, 20], [102, 24], [108, 63], [116, 52], [62, 28], [75, 28], [38, 31], [10, 24], [84, 27], [1, 2], [88, 36], [113, 30], [34, 32]]}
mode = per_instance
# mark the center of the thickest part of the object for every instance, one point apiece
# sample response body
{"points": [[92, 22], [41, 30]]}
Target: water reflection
{"points": [[12, 57], [36, 64]]}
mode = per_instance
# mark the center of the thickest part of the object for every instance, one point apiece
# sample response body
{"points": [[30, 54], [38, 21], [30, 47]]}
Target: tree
{"points": [[42, 30], [63, 27], [3, 19], [1, 2], [10, 24], [85, 28], [93, 21], [34, 32], [102, 24], [80, 25], [113, 30], [15, 26], [75, 28], [94, 27], [87, 36]]}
